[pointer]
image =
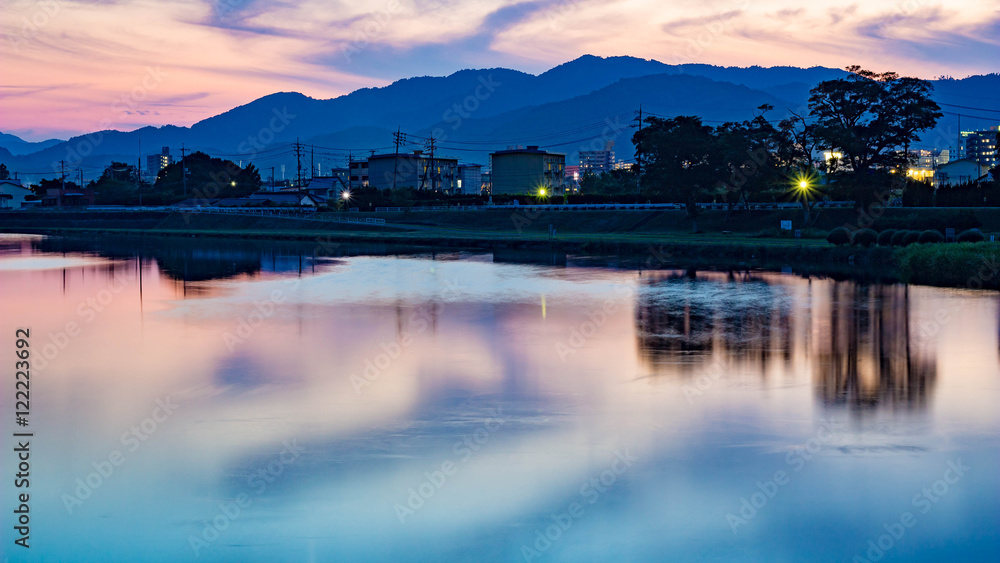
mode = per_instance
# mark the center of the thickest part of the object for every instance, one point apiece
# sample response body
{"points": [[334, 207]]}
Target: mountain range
{"points": [[578, 105]]}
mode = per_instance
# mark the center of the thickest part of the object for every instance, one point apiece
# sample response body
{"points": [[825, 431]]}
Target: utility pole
{"points": [[312, 161], [62, 173], [350, 169], [184, 173], [638, 172], [272, 178], [298, 167], [399, 138], [430, 148]]}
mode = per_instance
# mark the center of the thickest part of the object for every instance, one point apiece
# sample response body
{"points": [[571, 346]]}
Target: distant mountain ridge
{"points": [[573, 106]]}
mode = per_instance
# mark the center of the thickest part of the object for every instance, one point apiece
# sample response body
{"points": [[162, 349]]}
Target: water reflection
{"points": [[871, 356], [377, 367], [863, 351]]}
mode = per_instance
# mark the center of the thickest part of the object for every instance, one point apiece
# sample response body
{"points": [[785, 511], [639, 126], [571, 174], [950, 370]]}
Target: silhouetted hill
{"points": [[564, 108]]}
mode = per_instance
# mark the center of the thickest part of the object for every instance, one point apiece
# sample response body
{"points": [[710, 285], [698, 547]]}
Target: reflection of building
{"points": [[527, 171], [416, 171]]}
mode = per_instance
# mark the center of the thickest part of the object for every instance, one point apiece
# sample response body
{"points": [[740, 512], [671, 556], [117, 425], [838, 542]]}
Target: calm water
{"points": [[193, 400]]}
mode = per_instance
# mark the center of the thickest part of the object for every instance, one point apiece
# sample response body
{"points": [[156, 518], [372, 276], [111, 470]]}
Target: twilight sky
{"points": [[72, 66]]}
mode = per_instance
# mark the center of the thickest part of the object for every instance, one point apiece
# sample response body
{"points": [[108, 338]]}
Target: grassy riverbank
{"points": [[969, 265], [646, 239]]}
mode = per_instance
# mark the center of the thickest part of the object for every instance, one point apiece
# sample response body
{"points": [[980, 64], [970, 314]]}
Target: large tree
{"points": [[871, 119], [681, 158], [207, 178], [119, 184]]}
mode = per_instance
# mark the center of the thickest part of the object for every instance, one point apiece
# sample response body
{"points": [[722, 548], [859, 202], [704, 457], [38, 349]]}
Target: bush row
{"points": [[891, 237]]}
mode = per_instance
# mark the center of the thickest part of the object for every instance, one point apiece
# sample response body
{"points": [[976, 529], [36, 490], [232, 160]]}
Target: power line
{"points": [[967, 107]]}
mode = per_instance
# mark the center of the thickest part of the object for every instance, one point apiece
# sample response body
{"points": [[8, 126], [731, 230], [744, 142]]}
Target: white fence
{"points": [[615, 207]]}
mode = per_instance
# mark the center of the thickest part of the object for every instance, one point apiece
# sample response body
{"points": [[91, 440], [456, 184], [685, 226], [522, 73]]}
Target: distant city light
{"points": [[233, 183]]}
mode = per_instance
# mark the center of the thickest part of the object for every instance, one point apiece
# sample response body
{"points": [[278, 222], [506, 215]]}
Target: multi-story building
{"points": [[960, 172], [470, 179], [358, 174], [527, 171], [157, 162], [416, 170], [598, 162], [981, 146]]}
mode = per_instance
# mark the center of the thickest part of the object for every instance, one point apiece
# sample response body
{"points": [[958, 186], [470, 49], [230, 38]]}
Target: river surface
{"points": [[225, 401]]}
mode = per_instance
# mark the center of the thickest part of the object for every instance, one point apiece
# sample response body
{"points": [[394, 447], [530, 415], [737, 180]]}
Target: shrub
{"points": [[839, 236], [897, 237], [885, 237], [911, 237], [865, 237], [972, 235], [930, 236], [950, 265]]}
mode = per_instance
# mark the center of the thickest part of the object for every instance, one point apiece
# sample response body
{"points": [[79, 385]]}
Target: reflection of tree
{"points": [[194, 260], [668, 327], [858, 340], [739, 318], [869, 358]]}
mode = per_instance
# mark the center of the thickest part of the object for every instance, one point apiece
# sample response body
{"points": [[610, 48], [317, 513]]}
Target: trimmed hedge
{"points": [[865, 237], [930, 236], [911, 237], [839, 236], [885, 237], [972, 235]]}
